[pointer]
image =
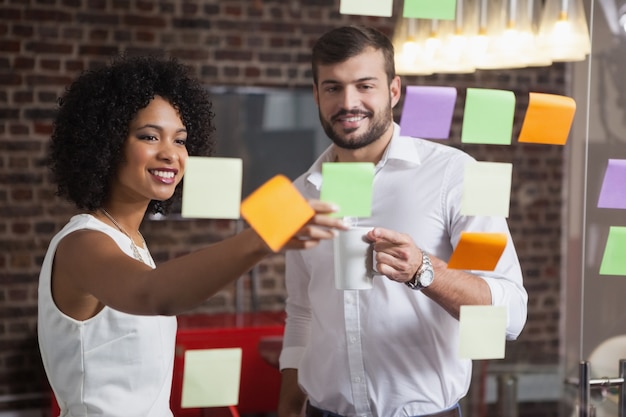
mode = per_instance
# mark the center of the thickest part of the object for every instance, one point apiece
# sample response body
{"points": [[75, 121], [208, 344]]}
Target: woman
{"points": [[107, 329]]}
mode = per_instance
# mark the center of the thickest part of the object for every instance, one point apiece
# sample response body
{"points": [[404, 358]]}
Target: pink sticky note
{"points": [[428, 111]]}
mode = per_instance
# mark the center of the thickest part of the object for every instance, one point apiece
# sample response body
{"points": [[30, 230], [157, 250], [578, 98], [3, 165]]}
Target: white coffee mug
{"points": [[353, 259]]}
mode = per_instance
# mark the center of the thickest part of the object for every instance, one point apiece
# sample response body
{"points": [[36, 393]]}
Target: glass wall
{"points": [[593, 322]]}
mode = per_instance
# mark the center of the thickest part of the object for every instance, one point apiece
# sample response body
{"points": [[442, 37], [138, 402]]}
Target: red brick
{"points": [[8, 46], [254, 72], [49, 48], [50, 64], [144, 36], [23, 31], [22, 194], [153, 22]]}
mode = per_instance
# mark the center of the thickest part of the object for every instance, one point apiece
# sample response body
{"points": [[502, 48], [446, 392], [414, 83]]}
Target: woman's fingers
{"points": [[322, 216]]}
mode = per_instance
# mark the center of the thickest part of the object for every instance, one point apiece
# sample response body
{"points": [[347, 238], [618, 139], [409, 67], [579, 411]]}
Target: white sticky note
{"points": [[367, 7], [212, 188], [211, 378], [482, 333], [487, 189]]}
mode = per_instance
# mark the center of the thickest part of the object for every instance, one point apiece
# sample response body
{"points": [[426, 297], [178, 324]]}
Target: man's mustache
{"points": [[349, 113]]}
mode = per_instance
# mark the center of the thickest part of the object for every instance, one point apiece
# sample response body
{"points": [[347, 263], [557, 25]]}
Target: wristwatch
{"points": [[424, 275]]}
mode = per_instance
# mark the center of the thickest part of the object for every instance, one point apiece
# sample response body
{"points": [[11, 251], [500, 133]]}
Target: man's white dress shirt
{"points": [[390, 350]]}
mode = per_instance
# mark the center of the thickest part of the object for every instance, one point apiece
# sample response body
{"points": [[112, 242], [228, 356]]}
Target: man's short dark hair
{"points": [[345, 42]]}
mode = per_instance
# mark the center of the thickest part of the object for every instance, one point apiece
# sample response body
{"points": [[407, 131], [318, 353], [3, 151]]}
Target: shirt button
{"points": [[352, 339], [356, 379]]}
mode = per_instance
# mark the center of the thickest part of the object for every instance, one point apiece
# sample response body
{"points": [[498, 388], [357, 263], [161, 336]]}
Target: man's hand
{"points": [[397, 256]]}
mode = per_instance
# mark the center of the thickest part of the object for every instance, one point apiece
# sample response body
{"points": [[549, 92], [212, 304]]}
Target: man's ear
{"points": [[395, 89]]}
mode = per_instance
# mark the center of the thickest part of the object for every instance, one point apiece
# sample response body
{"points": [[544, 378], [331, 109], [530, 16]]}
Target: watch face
{"points": [[426, 278]]}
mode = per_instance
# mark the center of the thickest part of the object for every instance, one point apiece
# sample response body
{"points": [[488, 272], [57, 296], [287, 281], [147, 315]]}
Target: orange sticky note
{"points": [[276, 210], [548, 119], [479, 251]]}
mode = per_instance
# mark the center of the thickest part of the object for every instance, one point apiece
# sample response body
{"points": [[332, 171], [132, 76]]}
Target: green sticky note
{"points": [[212, 188], [482, 332], [488, 116], [211, 378], [487, 189], [430, 9], [614, 261], [382, 8], [349, 185]]}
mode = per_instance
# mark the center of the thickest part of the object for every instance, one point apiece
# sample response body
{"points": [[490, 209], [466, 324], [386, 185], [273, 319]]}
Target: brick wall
{"points": [[44, 44]]}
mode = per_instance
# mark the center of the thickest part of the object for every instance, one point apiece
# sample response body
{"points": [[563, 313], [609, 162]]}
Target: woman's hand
{"points": [[321, 226]]}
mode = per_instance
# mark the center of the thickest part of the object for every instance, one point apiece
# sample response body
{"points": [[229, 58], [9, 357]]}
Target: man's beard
{"points": [[378, 126]]}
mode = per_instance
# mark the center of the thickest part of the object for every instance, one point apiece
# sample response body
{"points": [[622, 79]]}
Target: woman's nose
{"points": [[168, 152]]}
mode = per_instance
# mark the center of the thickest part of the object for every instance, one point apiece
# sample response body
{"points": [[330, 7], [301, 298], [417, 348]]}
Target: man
{"points": [[390, 350]]}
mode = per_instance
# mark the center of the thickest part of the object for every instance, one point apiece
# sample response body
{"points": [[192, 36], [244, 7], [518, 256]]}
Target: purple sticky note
{"points": [[427, 112], [612, 194]]}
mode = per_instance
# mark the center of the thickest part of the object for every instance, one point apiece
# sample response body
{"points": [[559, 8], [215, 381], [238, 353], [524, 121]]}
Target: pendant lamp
{"points": [[563, 33], [408, 43], [454, 54]]}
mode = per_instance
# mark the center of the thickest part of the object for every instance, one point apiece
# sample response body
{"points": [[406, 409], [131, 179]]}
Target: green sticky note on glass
{"points": [[482, 332], [487, 189], [348, 185], [488, 116], [211, 377], [613, 260], [430, 9], [212, 188], [382, 8]]}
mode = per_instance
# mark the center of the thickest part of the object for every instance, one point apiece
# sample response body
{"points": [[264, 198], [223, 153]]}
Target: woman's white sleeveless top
{"points": [[114, 364]]}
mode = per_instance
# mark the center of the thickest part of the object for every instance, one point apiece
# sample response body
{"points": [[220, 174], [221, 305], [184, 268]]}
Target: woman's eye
{"points": [[148, 137], [181, 141]]}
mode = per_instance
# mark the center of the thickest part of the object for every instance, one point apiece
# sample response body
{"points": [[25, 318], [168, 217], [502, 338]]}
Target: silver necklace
{"points": [[133, 247]]}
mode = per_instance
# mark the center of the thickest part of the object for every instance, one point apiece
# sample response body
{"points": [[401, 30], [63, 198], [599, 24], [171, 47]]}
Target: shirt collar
{"points": [[401, 150]]}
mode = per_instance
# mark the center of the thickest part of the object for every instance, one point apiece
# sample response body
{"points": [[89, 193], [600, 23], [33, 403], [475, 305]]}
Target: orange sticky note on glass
{"points": [[478, 251], [276, 210], [548, 119]]}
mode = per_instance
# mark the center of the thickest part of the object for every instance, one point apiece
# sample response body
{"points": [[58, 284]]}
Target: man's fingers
{"points": [[382, 235]]}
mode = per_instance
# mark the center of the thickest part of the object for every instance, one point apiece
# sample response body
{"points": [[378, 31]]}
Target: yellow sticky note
{"points": [[382, 8], [482, 332], [478, 251], [276, 211], [212, 188], [211, 378], [487, 189], [548, 119]]}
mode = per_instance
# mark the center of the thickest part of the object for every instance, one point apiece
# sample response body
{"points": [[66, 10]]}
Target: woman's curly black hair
{"points": [[93, 120]]}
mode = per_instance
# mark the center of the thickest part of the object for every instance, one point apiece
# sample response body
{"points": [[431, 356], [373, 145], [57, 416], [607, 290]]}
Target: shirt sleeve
{"points": [[298, 310], [505, 281]]}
